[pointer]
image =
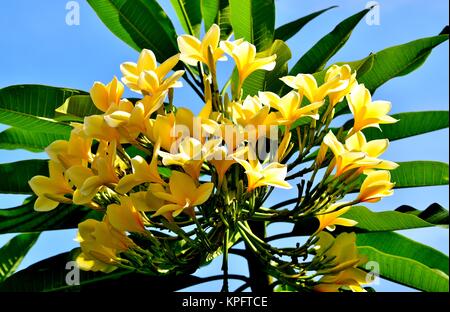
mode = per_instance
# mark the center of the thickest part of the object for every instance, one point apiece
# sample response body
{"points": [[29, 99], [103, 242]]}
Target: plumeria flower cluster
{"points": [[172, 189]]}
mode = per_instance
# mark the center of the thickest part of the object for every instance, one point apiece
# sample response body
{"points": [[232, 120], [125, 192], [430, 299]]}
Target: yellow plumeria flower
{"points": [[95, 126], [253, 116], [341, 271], [146, 200], [339, 80], [50, 190], [273, 174], [105, 96], [306, 84], [375, 186], [246, 59], [222, 160], [358, 143], [356, 156], [290, 107], [191, 155], [147, 77], [100, 245], [345, 80], [76, 151], [365, 112], [104, 234], [170, 128], [331, 217], [125, 217], [194, 51], [184, 195], [150, 83], [351, 278], [129, 119], [142, 173], [88, 181], [86, 262]]}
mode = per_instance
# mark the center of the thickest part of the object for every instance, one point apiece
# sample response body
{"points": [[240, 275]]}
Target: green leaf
{"points": [[262, 80], [142, 24], [288, 30], [409, 124], [13, 252], [33, 141], [407, 271], [435, 213], [420, 173], [316, 58], [391, 220], [254, 20], [399, 60], [15, 175], [189, 14], [76, 107], [50, 275], [25, 219], [217, 11], [399, 245], [32, 107], [416, 174], [210, 12]]}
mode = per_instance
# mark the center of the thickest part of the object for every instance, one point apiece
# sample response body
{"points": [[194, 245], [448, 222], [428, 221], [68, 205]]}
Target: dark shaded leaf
{"points": [[25, 219], [13, 252], [15, 175]]}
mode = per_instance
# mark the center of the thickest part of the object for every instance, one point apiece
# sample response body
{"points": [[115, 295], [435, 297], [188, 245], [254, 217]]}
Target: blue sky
{"points": [[39, 47]]}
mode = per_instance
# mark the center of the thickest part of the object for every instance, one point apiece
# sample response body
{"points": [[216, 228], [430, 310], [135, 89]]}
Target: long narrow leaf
{"points": [[254, 20], [13, 252], [399, 245], [25, 219], [316, 58], [52, 274], [406, 271], [409, 124], [189, 14], [420, 173], [388, 220], [287, 31], [15, 175], [32, 107], [399, 61], [142, 24], [33, 141]]}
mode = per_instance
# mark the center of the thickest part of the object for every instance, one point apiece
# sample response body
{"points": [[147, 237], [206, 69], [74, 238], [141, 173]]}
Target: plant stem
{"points": [[259, 280], [225, 261]]}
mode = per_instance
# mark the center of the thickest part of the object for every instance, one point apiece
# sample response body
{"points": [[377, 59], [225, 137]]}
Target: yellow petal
{"points": [[125, 217], [203, 193], [146, 61], [42, 203], [99, 95]]}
